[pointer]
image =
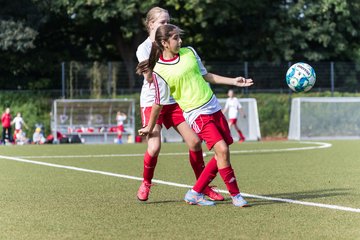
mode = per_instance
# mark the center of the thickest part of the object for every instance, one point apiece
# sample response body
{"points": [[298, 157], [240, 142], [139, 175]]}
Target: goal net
{"points": [[324, 118], [93, 120], [249, 126]]}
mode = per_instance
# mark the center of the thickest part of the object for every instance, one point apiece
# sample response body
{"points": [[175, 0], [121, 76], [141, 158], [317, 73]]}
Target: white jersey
{"points": [[147, 95], [163, 92], [18, 122], [233, 105], [120, 119]]}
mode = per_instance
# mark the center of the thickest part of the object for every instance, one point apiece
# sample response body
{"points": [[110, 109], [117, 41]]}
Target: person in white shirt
{"points": [[233, 106], [120, 118], [19, 122]]}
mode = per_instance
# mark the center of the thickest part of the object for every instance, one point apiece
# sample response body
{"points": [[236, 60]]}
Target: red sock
{"points": [[228, 175], [197, 162], [207, 175], [149, 167]]}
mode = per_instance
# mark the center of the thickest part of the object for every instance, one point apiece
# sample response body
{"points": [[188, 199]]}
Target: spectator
{"points": [[20, 138], [38, 137], [19, 122], [50, 137], [120, 118], [6, 124]]}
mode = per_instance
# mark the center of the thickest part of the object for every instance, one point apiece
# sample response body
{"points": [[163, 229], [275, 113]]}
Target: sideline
{"points": [[313, 204], [318, 145]]}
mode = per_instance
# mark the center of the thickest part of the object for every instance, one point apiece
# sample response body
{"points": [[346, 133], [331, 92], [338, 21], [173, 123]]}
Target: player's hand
{"points": [[144, 131], [243, 82]]}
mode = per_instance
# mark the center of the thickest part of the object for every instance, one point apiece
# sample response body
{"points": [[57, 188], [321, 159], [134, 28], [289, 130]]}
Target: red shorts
{"points": [[212, 129], [16, 132], [120, 128], [232, 120], [170, 115], [145, 116]]}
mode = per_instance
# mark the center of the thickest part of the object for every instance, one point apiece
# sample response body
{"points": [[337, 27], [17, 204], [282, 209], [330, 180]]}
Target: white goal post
{"points": [[249, 126], [93, 120], [317, 118]]}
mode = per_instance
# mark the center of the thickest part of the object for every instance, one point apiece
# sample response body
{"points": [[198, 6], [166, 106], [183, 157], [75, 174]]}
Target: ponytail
{"points": [[149, 64], [142, 67], [154, 55]]}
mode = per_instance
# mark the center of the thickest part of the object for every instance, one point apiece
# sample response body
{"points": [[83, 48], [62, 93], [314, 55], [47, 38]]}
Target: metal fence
{"points": [[112, 78]]}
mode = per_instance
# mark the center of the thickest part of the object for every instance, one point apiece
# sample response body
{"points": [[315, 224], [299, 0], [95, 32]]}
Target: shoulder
{"points": [[143, 50], [192, 50], [189, 49], [145, 44]]}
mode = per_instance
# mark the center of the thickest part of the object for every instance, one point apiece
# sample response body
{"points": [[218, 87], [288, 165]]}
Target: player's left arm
{"points": [[224, 110], [25, 125], [242, 112], [236, 81]]}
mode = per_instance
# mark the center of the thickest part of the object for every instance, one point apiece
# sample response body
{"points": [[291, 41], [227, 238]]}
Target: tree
{"points": [[38, 33], [107, 28], [319, 30], [16, 37]]}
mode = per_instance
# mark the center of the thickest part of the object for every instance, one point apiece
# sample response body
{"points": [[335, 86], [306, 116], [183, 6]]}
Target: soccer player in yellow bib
{"points": [[170, 116], [179, 73]]}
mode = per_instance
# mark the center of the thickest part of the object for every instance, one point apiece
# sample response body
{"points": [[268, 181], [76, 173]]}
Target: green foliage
{"points": [[35, 108], [101, 30], [323, 30], [273, 114], [16, 37]]}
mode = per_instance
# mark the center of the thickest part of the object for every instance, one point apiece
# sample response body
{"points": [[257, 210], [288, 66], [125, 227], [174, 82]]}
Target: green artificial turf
{"points": [[48, 202]]}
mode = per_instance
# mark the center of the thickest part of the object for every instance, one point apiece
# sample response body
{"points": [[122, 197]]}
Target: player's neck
{"points": [[152, 36], [168, 55]]}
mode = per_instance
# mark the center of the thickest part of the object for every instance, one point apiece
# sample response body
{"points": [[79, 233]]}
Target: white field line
{"points": [[320, 205], [318, 145]]}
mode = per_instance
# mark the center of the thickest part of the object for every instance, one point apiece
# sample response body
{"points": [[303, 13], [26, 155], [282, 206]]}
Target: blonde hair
{"points": [[152, 15]]}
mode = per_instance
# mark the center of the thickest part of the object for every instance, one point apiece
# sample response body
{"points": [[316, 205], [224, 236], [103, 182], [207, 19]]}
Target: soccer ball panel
{"points": [[300, 77]]}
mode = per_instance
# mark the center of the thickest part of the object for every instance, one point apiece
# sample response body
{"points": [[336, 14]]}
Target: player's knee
{"points": [[154, 149], [222, 149], [196, 144]]}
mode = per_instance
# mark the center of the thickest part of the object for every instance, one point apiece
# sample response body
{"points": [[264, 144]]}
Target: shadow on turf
{"points": [[226, 201], [158, 202], [301, 195]]}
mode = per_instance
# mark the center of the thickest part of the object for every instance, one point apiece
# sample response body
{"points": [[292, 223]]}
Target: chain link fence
{"points": [[97, 79]]}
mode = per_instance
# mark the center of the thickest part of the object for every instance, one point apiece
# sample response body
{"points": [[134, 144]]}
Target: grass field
{"points": [[89, 192]]}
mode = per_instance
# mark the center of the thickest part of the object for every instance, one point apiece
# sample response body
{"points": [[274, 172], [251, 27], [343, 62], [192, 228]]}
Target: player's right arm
{"points": [[240, 108], [226, 106]]}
